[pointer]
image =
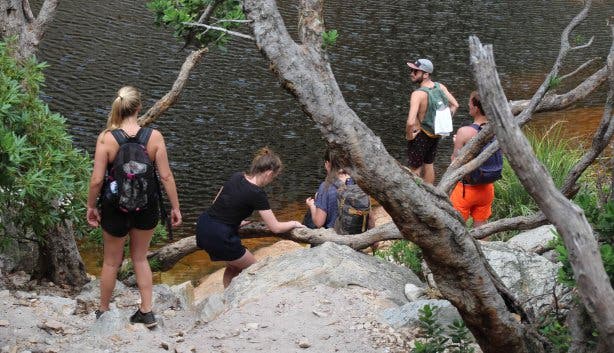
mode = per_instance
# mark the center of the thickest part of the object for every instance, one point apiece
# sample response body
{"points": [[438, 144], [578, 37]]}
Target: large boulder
{"points": [[329, 264], [530, 277], [535, 240]]}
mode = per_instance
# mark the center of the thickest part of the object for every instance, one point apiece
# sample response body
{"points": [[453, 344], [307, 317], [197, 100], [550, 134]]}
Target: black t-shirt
{"points": [[238, 199]]}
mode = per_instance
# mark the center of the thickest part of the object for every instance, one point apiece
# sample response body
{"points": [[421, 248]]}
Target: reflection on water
{"points": [[233, 104]]}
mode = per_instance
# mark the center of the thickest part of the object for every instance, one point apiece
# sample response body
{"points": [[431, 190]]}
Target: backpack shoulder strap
{"points": [[476, 127], [120, 136], [143, 135]]}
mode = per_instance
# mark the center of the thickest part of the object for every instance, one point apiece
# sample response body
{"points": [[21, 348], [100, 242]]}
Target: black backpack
{"points": [[354, 206], [490, 171], [133, 172]]}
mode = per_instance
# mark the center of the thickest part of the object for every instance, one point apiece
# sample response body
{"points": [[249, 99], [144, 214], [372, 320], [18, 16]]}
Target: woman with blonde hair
{"points": [[117, 222], [217, 229]]}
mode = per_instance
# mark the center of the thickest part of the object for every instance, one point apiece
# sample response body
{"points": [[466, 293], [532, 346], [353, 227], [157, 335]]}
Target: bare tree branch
{"points": [[471, 149], [515, 223], [569, 188], [168, 255], [583, 46], [227, 31], [45, 16], [593, 283], [162, 105], [27, 11], [580, 68], [564, 50], [206, 15], [561, 101]]}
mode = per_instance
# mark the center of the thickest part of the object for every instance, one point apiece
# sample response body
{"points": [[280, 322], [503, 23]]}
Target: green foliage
{"points": [[329, 38], [554, 82], [605, 222], [579, 39], [460, 338], [405, 253], [558, 335], [556, 154], [43, 178], [175, 14], [565, 274], [435, 340]]}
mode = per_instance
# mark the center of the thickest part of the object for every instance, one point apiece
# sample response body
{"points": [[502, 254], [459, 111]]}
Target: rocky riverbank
{"points": [[324, 299]]}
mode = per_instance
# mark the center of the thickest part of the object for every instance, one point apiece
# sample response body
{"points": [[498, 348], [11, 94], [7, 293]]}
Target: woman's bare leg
{"points": [[233, 268], [139, 245], [113, 256]]}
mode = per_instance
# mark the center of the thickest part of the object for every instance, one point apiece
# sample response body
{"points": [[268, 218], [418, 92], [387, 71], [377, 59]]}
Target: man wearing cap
{"points": [[419, 130]]}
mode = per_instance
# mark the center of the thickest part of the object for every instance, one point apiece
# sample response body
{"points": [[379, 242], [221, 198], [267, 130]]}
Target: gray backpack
{"points": [[354, 207]]}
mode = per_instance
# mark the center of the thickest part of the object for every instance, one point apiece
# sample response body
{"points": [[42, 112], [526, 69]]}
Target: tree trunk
{"points": [[17, 20], [423, 214], [60, 258]]}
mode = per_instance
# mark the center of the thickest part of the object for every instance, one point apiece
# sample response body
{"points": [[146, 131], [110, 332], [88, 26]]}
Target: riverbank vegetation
{"points": [[43, 177]]}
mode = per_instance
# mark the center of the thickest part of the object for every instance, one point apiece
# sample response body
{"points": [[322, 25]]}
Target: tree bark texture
{"points": [[60, 258], [170, 98], [423, 214], [16, 19], [592, 282]]}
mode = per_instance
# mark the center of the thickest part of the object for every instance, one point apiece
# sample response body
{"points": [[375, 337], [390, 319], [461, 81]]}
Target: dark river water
{"points": [[233, 104]]}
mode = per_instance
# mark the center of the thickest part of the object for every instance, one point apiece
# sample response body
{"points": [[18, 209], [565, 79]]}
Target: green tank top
{"points": [[437, 100]]}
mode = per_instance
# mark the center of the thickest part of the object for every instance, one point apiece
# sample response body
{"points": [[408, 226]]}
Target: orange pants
{"points": [[473, 200]]}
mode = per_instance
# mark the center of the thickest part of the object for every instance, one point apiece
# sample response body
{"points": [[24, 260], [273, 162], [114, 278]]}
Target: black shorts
{"points": [[118, 223], [421, 150], [220, 240]]}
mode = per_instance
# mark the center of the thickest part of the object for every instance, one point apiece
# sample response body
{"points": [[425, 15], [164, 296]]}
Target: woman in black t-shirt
{"points": [[217, 229]]}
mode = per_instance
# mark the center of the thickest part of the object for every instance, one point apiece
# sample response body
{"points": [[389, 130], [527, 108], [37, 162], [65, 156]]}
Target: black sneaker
{"points": [[99, 314], [148, 319]]}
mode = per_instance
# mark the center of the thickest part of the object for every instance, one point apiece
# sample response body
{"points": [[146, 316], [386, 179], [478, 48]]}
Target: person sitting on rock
{"points": [[322, 208]]}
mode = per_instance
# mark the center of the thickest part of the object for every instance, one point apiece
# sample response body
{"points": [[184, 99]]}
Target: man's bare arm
{"points": [[452, 103]]}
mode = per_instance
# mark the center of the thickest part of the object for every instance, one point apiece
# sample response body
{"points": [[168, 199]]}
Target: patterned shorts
{"points": [[421, 150]]}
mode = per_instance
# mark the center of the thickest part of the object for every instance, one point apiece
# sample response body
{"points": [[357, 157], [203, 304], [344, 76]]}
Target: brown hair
{"points": [[475, 100], [265, 160], [127, 102], [335, 165]]}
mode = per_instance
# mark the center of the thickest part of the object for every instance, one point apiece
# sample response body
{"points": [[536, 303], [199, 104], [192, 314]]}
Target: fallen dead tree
{"points": [[167, 256]]}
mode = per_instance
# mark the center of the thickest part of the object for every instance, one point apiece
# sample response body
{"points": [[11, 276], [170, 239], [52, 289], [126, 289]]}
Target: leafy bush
{"points": [[329, 38], [405, 253], [558, 156], [435, 340], [43, 178], [176, 13]]}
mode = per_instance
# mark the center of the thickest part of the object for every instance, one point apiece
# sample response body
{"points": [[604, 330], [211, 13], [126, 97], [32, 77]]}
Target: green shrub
{"points": [[558, 156], [405, 253], [329, 38], [557, 334], [434, 338], [43, 178], [175, 13]]}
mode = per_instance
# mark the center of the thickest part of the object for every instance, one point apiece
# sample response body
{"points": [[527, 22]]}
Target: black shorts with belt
{"points": [[220, 240]]}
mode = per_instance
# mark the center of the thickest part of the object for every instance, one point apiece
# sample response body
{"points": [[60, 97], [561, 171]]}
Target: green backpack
{"points": [[354, 206]]}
